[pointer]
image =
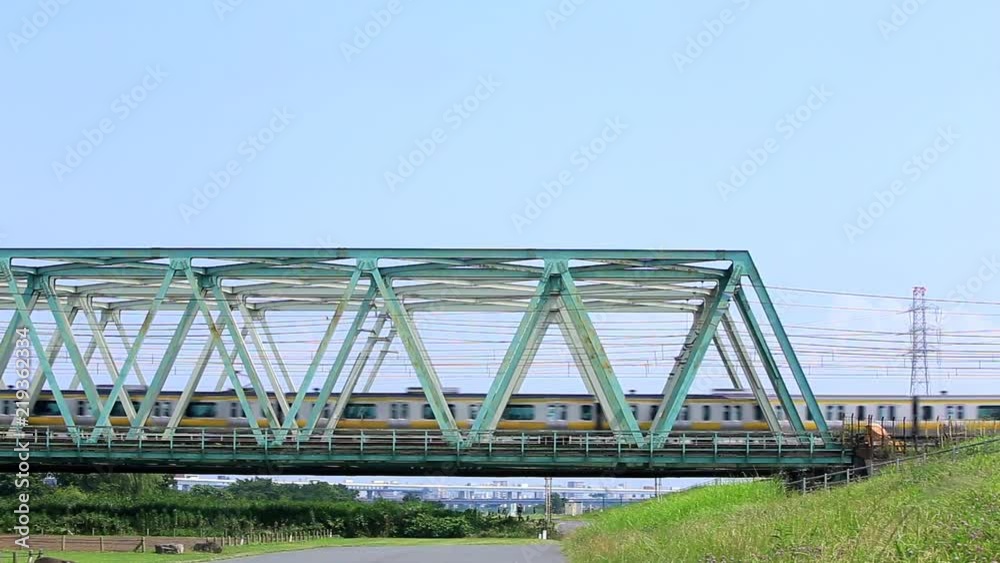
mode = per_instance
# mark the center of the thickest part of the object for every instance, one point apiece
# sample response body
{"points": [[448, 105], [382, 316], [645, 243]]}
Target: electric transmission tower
{"points": [[919, 377]]}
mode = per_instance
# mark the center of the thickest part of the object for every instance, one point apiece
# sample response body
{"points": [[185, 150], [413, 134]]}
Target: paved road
{"points": [[419, 554]]}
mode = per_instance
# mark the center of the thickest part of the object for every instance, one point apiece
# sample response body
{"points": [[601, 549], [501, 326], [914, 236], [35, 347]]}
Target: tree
{"points": [[558, 504], [412, 497]]}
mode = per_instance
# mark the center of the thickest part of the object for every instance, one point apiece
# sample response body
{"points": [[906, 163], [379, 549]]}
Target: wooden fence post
{"points": [[142, 542], [102, 543], [63, 543]]}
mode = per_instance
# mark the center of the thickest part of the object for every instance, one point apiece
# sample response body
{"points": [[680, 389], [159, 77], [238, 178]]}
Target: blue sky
{"points": [[528, 124], [118, 116], [321, 180]]}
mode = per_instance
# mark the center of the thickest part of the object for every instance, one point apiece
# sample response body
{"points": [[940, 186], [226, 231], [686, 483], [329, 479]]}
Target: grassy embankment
{"points": [[233, 552], [942, 510]]}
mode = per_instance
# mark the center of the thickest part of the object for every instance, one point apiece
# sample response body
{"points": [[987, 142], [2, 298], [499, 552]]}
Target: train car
{"points": [[717, 411]]}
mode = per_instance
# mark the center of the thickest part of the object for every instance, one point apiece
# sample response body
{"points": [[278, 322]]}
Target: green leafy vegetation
{"points": [[149, 505], [942, 510]]}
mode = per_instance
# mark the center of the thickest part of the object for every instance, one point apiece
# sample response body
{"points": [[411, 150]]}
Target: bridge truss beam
{"points": [[377, 287]]}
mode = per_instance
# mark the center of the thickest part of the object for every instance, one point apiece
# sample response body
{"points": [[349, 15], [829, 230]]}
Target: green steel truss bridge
{"points": [[80, 294]]}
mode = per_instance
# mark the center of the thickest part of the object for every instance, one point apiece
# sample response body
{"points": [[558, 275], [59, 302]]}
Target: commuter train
{"points": [[718, 411]]}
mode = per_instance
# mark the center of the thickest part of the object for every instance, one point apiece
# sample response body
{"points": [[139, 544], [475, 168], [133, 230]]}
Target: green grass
{"points": [[231, 552], [943, 510]]}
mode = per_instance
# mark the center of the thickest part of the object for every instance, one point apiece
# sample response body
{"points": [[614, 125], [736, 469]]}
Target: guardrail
{"points": [[404, 451], [833, 479]]}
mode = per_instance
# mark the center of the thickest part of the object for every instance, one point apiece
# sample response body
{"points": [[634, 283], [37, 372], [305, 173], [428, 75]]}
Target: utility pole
{"points": [[919, 376], [548, 503]]}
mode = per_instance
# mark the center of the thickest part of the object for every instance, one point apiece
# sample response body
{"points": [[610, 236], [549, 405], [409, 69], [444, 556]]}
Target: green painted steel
{"points": [[88, 354], [241, 349], [133, 353], [770, 366], [611, 396], [209, 450], [166, 364], [759, 393], [324, 343], [503, 383], [276, 353], [695, 345], [418, 355], [386, 344], [570, 286], [30, 297], [355, 374], [52, 350], [116, 318], [197, 285], [43, 361], [734, 378], [338, 365], [786, 347], [316, 254]]}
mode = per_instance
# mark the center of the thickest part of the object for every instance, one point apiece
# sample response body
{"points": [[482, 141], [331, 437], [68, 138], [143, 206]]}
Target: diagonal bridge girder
{"points": [[563, 287]]}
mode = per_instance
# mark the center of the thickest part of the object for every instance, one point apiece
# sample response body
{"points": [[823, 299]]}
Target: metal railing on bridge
{"points": [[421, 452]]}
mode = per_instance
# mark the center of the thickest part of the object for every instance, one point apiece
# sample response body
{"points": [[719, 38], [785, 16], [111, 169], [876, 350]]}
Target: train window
{"points": [[841, 412], [685, 413], [926, 412], [236, 410], [8, 406], [779, 412], [835, 412], [161, 408], [399, 411], [809, 414], [887, 412], [706, 412], [46, 408], [758, 413], [81, 408], [556, 412], [652, 411], [474, 411], [737, 412], [428, 413], [519, 412], [119, 410], [955, 412], [988, 412], [727, 412], [635, 410], [587, 412], [892, 412], [326, 411], [830, 409], [201, 410], [862, 413], [359, 411]]}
